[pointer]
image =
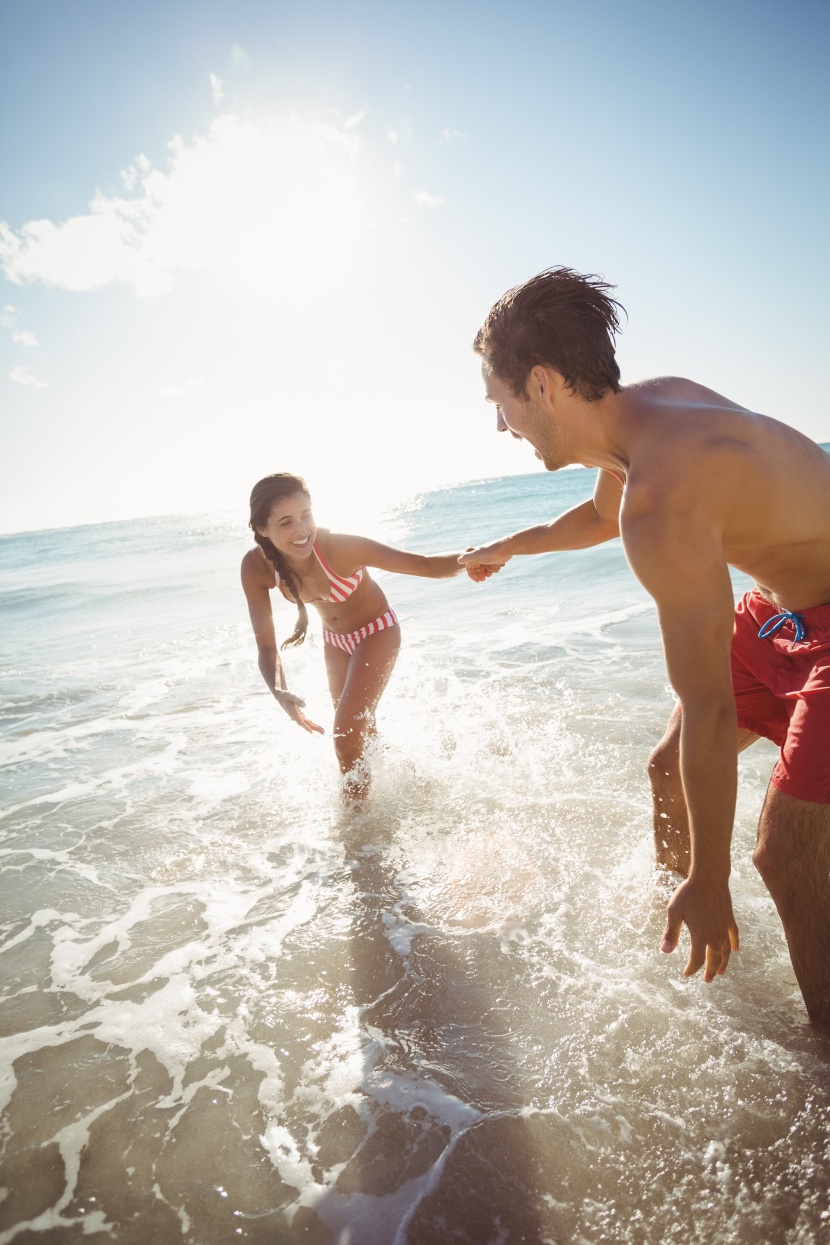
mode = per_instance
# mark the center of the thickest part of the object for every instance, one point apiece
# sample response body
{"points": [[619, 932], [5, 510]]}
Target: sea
{"points": [[233, 1008]]}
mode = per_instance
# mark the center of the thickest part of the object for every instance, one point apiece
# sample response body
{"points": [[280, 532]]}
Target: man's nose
{"points": [[501, 426]]}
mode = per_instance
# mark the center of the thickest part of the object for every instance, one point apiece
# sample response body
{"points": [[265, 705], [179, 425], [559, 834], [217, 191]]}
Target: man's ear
{"points": [[544, 383]]}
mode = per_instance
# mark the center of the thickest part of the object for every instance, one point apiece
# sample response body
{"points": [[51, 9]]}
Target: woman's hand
{"points": [[484, 561], [294, 706]]}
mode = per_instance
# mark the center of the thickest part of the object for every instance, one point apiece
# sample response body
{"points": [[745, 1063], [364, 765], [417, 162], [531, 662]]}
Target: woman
{"points": [[310, 565]]}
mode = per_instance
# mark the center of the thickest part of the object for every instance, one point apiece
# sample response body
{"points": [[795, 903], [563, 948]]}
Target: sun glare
{"points": [[274, 205], [269, 203]]}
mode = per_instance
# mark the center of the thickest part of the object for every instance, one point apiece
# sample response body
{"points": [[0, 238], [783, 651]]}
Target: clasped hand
{"points": [[482, 562]]}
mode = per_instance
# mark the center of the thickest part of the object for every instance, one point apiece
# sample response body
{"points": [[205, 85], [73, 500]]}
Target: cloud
{"points": [[355, 119], [447, 134], [174, 390], [263, 203], [217, 89], [8, 320], [402, 134], [428, 201], [24, 376], [84, 253], [239, 57]]}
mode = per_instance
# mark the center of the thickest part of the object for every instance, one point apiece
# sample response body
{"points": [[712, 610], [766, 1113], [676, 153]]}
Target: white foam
{"points": [[180, 879]]}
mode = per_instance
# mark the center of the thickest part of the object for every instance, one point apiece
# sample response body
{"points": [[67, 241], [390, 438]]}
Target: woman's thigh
{"points": [[337, 667], [367, 673]]}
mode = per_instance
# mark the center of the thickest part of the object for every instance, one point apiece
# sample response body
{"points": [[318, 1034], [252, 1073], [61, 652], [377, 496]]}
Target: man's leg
{"points": [[671, 821], [672, 843], [793, 858]]}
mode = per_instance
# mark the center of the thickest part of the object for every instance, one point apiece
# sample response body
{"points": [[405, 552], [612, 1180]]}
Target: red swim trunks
{"points": [[782, 690]]}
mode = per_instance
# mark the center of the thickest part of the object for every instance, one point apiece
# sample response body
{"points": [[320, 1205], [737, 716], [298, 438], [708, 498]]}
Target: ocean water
{"points": [[233, 1011]]}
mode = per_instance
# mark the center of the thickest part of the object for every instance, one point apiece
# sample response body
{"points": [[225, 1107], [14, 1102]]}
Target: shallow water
{"points": [[232, 1010]]}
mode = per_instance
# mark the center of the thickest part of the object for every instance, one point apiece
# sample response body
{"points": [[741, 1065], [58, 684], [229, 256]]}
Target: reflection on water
{"points": [[232, 1011]]}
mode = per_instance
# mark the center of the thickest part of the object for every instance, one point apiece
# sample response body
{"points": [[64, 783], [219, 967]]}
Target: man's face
{"points": [[527, 419]]}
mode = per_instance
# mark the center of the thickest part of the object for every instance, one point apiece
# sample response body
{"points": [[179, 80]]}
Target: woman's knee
{"points": [[349, 741], [345, 751]]}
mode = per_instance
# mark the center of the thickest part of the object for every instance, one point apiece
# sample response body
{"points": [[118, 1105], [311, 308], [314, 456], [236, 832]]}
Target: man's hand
{"points": [[484, 561], [706, 909], [294, 706]]}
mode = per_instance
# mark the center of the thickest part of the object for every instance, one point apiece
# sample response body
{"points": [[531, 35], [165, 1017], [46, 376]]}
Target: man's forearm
{"points": [[579, 528], [709, 768]]}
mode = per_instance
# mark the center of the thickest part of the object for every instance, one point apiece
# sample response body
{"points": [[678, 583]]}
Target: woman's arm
{"points": [[357, 551], [258, 595]]}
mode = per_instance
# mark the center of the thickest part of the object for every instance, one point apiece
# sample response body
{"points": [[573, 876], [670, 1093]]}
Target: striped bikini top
{"points": [[342, 586]]}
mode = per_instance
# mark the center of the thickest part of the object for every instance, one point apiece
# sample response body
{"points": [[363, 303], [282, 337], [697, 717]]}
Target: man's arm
{"points": [[680, 561], [591, 523]]}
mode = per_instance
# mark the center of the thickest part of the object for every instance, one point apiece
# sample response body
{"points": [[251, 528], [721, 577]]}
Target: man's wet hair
{"points": [[560, 318]]}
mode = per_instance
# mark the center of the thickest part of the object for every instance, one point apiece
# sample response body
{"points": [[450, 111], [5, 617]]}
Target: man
{"points": [[694, 483]]}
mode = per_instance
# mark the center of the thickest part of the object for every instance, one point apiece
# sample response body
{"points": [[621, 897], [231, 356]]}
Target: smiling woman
{"points": [[328, 570]]}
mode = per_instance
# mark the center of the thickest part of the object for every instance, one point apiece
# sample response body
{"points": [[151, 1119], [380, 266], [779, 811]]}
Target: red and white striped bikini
{"points": [[349, 642], [342, 588]]}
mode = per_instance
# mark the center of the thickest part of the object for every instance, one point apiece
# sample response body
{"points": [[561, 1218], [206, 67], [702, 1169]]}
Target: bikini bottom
{"points": [[348, 643]]}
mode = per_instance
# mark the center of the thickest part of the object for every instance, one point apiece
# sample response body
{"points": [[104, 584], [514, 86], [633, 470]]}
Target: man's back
{"points": [[762, 486]]}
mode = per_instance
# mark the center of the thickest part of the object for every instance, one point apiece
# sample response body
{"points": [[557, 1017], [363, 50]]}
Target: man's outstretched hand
{"points": [[706, 909], [484, 561]]}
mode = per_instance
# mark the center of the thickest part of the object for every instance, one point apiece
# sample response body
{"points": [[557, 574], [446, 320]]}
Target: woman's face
{"points": [[291, 526]]}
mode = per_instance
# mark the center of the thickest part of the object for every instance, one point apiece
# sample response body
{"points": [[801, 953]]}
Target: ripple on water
{"points": [[231, 1011]]}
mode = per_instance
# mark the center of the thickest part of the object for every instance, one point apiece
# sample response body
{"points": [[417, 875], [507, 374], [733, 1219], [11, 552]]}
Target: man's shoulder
{"points": [[680, 391], [676, 477]]}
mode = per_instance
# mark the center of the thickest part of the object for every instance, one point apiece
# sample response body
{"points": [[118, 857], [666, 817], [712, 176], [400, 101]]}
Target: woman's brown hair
{"points": [[264, 496]]}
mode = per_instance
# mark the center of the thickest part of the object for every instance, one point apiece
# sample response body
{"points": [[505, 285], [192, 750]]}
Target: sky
{"points": [[239, 237]]}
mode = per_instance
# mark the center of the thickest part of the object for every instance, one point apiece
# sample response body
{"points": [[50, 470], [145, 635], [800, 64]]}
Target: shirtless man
{"points": [[694, 483]]}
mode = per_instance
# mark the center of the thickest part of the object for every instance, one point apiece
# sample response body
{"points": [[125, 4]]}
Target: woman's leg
{"points": [[356, 683], [337, 666]]}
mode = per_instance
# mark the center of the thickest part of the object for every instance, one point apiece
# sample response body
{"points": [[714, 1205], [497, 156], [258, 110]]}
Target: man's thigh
{"points": [[803, 767]]}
